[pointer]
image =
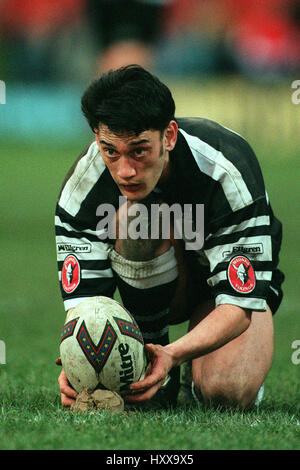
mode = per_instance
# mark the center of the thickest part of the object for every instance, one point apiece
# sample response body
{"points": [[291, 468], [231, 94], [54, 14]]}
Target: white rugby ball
{"points": [[101, 346]]}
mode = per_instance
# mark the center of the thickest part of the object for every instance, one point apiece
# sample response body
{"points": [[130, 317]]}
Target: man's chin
{"points": [[134, 193]]}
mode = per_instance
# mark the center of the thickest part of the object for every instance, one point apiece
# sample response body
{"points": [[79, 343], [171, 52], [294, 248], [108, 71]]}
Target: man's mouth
{"points": [[130, 186]]}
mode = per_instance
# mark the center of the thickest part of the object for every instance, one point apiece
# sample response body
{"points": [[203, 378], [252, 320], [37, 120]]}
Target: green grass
{"points": [[32, 315]]}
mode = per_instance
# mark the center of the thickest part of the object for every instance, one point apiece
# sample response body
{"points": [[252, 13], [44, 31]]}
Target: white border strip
{"points": [[214, 164], [251, 303]]}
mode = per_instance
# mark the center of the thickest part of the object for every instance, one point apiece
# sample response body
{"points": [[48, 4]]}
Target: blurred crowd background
{"points": [[48, 40], [66, 43]]}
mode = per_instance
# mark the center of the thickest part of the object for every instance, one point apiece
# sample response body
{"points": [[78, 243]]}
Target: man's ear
{"points": [[97, 136], [171, 135]]}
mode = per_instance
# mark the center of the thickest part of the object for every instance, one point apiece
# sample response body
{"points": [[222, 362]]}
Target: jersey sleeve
{"points": [[242, 251], [242, 237], [83, 264]]}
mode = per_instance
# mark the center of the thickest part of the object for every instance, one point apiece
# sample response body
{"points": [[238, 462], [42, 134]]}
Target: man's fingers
{"points": [[156, 371], [66, 401], [144, 395], [68, 391], [148, 382], [153, 375], [64, 386], [156, 378]]}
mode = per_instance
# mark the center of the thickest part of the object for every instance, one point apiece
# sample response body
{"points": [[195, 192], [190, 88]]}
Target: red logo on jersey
{"points": [[241, 274], [70, 274]]}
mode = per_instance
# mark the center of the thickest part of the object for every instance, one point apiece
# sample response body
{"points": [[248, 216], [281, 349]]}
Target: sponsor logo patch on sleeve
{"points": [[241, 275], [73, 248], [70, 274], [245, 249]]}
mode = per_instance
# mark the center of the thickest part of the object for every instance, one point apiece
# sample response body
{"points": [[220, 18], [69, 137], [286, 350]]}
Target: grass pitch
{"points": [[32, 316]]}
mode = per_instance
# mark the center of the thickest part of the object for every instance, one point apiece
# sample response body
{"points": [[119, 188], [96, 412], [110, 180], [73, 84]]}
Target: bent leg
{"points": [[233, 374]]}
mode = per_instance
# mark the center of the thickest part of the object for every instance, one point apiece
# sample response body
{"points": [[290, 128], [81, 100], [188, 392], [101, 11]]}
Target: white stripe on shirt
{"points": [[214, 164]]}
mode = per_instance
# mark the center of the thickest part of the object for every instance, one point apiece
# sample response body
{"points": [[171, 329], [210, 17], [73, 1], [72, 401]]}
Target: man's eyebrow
{"points": [[106, 143], [135, 142], [139, 142]]}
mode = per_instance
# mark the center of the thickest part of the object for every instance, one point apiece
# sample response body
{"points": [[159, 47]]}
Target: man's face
{"points": [[136, 163]]}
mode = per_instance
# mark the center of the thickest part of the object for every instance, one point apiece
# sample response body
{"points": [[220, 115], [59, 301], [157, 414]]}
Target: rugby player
{"points": [[228, 287]]}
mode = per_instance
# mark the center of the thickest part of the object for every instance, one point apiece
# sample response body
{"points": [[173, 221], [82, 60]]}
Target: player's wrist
{"points": [[175, 355]]}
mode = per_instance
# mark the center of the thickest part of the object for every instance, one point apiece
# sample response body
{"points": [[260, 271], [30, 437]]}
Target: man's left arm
{"points": [[222, 325]]}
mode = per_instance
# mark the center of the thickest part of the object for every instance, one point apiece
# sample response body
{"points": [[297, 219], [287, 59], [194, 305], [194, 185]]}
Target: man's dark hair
{"points": [[129, 99]]}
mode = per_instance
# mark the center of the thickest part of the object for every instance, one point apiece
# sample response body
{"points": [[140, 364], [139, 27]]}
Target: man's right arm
{"points": [[83, 265]]}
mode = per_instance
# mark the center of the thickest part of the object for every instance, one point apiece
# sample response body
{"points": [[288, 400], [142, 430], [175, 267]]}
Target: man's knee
{"points": [[141, 250], [139, 238], [227, 391]]}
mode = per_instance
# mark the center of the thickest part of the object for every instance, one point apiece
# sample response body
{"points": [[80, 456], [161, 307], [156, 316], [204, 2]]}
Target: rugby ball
{"points": [[101, 346]]}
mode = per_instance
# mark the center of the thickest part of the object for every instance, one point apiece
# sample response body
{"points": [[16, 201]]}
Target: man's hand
{"points": [[161, 362], [67, 393]]}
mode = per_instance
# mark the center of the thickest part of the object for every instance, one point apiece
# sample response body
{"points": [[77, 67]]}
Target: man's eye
{"points": [[110, 152], [139, 152]]}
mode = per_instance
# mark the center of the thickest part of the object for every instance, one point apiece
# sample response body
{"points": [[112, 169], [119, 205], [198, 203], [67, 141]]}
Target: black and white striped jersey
{"points": [[211, 166]]}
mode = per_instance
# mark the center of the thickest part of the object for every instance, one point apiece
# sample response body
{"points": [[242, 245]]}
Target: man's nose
{"points": [[126, 168]]}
